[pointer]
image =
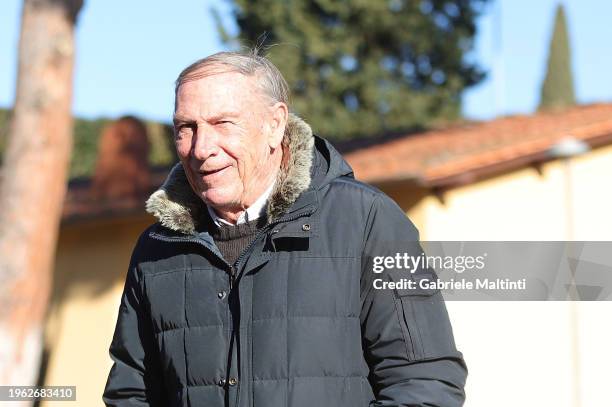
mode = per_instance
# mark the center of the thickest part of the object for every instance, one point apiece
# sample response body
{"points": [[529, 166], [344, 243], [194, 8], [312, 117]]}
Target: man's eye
{"points": [[185, 130], [225, 122]]}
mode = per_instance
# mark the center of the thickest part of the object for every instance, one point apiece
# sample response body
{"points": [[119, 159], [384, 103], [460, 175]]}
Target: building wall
{"points": [[91, 264], [528, 204], [528, 353]]}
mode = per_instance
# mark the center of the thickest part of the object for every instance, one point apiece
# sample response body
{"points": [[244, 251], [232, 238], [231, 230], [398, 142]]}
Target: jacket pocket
{"points": [[424, 322]]}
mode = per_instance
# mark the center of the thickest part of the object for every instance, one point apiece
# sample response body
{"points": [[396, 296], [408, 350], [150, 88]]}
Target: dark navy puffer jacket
{"points": [[295, 322]]}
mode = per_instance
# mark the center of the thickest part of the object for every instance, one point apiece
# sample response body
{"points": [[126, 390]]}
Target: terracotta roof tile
{"points": [[82, 201], [434, 157]]}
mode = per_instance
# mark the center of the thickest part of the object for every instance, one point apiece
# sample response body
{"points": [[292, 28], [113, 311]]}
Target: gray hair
{"points": [[249, 63]]}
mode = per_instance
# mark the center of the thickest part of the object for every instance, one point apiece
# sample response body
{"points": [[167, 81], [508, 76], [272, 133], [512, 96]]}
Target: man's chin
{"points": [[218, 200]]}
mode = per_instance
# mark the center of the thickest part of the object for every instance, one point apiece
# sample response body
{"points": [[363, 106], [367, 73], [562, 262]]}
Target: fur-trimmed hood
{"points": [[177, 207]]}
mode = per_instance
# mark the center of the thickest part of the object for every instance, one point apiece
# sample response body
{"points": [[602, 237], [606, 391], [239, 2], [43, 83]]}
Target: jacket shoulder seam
{"points": [[361, 186]]}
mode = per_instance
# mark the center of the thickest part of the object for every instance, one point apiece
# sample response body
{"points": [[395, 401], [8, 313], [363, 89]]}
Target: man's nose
{"points": [[205, 144]]}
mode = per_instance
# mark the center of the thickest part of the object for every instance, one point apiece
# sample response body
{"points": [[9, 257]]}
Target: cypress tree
{"points": [[558, 86]]}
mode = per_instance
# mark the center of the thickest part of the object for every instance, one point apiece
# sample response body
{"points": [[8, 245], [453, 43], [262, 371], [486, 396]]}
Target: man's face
{"points": [[223, 136]]}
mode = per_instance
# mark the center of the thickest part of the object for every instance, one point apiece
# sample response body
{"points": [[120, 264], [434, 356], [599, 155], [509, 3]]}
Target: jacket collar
{"points": [[178, 208]]}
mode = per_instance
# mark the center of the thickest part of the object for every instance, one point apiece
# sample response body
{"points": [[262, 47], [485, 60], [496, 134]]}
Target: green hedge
{"points": [[86, 136]]}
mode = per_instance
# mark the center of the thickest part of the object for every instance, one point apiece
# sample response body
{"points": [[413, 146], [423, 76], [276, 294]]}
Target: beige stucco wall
{"points": [[526, 204], [91, 265], [528, 353]]}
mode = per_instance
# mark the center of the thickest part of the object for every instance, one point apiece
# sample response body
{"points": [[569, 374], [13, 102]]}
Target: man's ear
{"points": [[278, 122]]}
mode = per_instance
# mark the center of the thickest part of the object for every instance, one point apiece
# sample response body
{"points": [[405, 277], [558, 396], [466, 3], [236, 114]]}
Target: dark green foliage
{"points": [[558, 86], [87, 134], [161, 137], [365, 67]]}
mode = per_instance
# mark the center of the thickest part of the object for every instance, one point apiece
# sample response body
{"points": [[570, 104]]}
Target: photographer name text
{"points": [[452, 284], [454, 264]]}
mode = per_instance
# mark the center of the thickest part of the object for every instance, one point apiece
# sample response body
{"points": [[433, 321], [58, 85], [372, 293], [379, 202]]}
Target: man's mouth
{"points": [[207, 173]]}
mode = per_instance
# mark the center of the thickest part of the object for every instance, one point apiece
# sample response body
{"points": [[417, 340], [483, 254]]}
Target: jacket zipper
{"points": [[247, 250], [232, 276], [234, 267]]}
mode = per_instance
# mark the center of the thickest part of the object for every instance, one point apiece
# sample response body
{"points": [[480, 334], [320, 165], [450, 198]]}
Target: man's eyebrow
{"points": [[223, 115], [178, 119]]}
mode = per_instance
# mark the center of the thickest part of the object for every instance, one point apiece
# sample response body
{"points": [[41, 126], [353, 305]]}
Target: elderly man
{"points": [[256, 287]]}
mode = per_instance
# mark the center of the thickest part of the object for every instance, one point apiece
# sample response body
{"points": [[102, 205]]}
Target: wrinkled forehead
{"points": [[219, 84]]}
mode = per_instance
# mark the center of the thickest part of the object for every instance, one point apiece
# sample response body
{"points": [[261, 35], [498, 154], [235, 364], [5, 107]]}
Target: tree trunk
{"points": [[33, 182]]}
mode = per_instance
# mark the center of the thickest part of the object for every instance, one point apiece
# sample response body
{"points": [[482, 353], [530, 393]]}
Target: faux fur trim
{"points": [[177, 207]]}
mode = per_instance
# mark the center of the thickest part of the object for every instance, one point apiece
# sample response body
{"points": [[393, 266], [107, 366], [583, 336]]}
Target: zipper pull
{"points": [[232, 276], [271, 238]]}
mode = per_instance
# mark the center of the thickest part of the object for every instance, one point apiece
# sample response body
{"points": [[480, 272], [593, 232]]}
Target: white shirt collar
{"points": [[251, 213]]}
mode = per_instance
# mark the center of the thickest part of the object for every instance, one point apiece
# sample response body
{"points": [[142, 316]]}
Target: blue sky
{"points": [[512, 44], [129, 52]]}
